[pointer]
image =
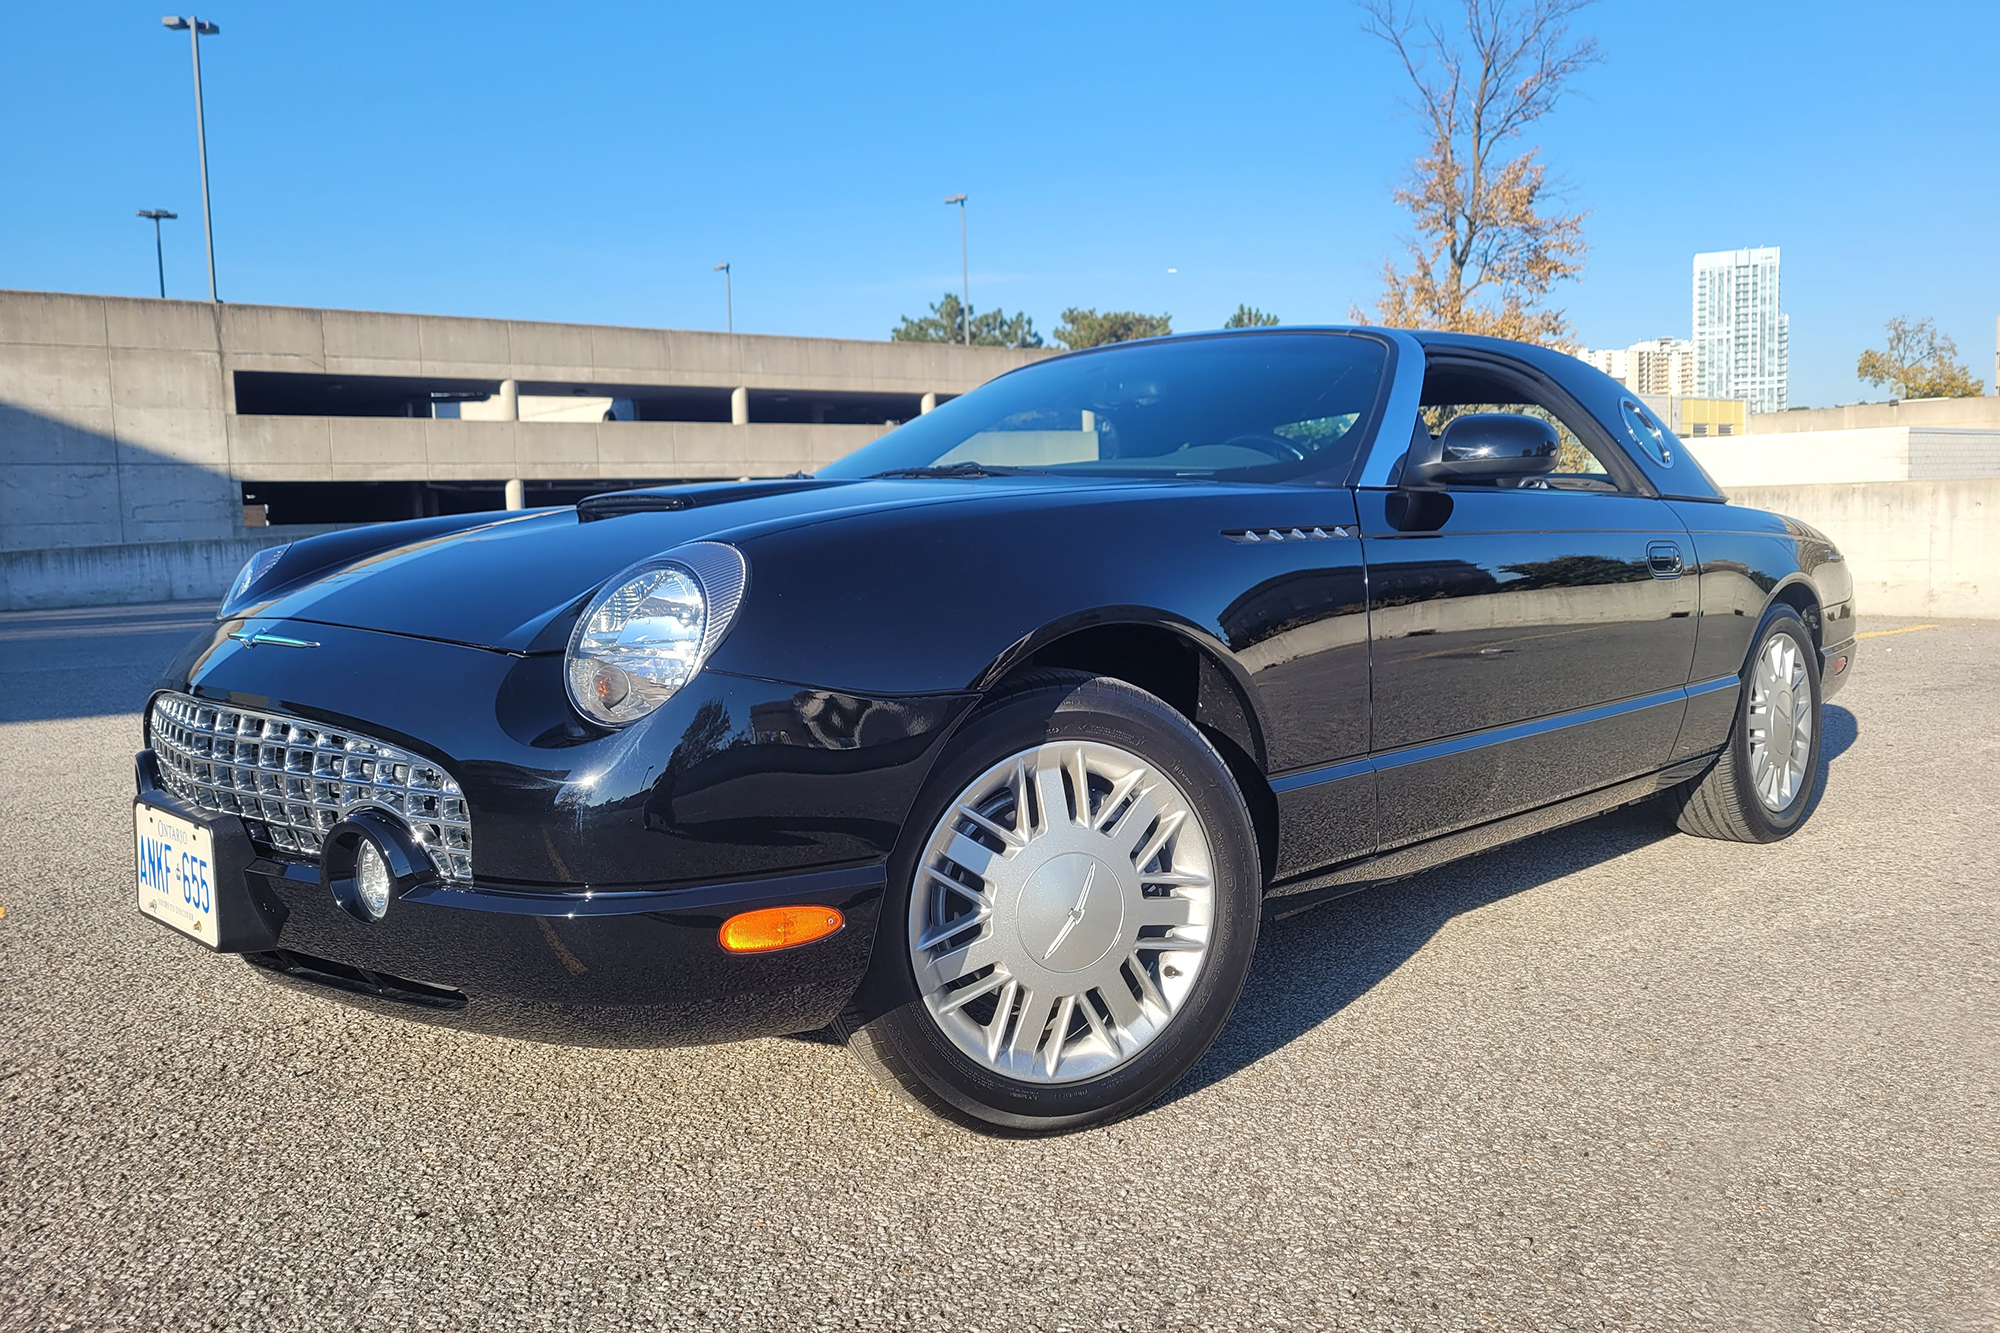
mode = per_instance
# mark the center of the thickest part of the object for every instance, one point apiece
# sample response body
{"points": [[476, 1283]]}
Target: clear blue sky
{"points": [[590, 162]]}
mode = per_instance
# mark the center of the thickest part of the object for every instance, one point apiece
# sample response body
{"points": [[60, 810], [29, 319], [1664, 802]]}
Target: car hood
{"points": [[514, 583]]}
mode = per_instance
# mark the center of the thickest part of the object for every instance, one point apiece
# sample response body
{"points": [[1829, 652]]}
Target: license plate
{"points": [[176, 860]]}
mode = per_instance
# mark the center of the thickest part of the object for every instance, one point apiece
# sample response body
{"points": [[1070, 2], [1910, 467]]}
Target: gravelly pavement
{"points": [[1605, 1079]]}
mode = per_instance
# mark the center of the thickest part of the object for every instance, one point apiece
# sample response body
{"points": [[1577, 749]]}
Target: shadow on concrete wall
{"points": [[90, 520], [63, 483], [1311, 967]]}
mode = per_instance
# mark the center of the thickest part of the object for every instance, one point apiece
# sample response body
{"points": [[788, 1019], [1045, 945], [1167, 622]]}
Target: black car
{"points": [[991, 744]]}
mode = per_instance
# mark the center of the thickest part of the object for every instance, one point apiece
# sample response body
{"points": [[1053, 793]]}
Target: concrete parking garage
{"points": [[148, 448], [1609, 1078]]}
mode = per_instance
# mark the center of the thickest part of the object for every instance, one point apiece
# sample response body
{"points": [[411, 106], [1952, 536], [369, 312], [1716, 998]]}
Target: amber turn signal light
{"points": [[770, 928]]}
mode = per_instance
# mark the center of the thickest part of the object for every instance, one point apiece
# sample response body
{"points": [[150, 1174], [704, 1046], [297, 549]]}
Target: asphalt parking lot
{"points": [[1608, 1078]]}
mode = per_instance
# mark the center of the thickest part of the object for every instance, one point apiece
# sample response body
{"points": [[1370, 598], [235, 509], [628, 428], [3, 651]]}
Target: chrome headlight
{"points": [[255, 568], [649, 629]]}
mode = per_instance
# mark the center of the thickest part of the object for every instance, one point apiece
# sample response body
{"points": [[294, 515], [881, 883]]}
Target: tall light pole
{"points": [[159, 256], [728, 295], [198, 28], [964, 272]]}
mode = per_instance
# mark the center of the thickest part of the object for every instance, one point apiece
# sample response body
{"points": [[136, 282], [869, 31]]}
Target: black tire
{"points": [[1723, 803], [888, 1026]]}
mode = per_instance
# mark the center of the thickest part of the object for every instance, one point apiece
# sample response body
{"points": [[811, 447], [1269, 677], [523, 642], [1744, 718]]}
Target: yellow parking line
{"points": [[1907, 629]]}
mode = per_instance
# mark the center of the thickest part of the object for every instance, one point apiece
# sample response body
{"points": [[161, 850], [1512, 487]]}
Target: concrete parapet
{"points": [[398, 449], [1951, 413], [1860, 454], [128, 572], [1914, 548]]}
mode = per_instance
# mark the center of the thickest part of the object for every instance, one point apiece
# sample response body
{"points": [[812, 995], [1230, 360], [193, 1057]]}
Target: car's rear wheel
{"points": [[1761, 787], [1072, 915]]}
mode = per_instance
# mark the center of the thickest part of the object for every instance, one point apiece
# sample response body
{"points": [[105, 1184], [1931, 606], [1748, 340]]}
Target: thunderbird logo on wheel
{"points": [[1075, 916]]}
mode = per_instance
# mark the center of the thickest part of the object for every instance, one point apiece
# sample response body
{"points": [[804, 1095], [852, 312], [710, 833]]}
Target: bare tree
{"points": [[1486, 249]]}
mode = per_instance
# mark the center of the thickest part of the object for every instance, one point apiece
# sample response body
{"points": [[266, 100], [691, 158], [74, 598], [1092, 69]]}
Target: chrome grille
{"points": [[292, 780]]}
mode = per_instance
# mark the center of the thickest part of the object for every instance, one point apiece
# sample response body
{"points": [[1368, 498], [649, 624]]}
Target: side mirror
{"points": [[1482, 446]]}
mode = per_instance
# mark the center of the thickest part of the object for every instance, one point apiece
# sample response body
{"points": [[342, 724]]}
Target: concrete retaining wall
{"points": [[49, 577], [1915, 548]]}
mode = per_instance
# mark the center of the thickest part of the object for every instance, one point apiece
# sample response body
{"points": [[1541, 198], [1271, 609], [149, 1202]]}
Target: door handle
{"points": [[1664, 559]]}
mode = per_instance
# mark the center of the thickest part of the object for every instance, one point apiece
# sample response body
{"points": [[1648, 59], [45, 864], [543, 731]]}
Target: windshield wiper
{"points": [[951, 470]]}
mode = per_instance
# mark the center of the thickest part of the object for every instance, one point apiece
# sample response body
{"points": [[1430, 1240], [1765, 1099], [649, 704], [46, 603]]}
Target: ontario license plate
{"points": [[176, 860]]}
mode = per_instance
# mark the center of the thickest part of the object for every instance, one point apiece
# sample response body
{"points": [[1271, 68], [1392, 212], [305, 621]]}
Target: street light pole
{"points": [[198, 28], [159, 256], [728, 295], [964, 272]]}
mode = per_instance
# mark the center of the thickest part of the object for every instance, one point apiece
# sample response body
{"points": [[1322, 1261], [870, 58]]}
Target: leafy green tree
{"points": [[1086, 328], [1919, 362], [1249, 317], [943, 325]]}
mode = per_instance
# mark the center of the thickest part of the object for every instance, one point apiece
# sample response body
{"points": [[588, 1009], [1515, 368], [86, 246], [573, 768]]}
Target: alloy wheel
{"points": [[1780, 722], [1062, 912]]}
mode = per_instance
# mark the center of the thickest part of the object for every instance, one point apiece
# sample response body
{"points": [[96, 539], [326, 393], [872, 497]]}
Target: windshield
{"points": [[1242, 407]]}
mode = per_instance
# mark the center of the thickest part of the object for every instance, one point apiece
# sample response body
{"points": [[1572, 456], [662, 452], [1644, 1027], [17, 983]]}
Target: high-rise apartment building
{"points": [[1741, 338], [1661, 366], [1613, 361], [1664, 365]]}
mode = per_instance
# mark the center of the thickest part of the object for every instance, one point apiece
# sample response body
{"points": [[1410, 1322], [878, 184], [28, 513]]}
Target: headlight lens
{"points": [[255, 568], [648, 632]]}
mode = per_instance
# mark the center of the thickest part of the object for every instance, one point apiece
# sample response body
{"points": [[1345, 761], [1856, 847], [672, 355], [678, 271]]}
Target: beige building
{"points": [[1660, 366], [1698, 418]]}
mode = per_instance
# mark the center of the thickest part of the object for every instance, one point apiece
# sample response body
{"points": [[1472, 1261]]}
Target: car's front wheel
{"points": [[1762, 785], [1073, 912]]}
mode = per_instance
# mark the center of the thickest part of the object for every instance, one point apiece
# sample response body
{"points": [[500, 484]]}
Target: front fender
{"points": [[948, 599]]}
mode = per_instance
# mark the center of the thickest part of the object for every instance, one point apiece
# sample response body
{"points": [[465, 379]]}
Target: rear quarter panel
{"points": [[1744, 559]]}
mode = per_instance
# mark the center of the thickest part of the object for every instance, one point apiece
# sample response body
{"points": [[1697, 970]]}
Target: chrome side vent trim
{"points": [[1248, 536]]}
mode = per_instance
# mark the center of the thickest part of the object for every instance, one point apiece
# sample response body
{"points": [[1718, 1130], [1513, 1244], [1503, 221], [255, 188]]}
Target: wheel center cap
{"points": [[1071, 912]]}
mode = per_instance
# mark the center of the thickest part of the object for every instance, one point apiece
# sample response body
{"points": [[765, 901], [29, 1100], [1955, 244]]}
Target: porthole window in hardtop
{"points": [[1647, 430]]}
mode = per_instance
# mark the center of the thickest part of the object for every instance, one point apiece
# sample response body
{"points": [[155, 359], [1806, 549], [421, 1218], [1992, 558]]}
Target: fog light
{"points": [[372, 880], [770, 928]]}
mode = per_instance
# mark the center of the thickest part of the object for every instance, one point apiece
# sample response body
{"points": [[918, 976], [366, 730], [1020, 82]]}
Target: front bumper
{"points": [[1836, 663], [620, 968], [602, 865]]}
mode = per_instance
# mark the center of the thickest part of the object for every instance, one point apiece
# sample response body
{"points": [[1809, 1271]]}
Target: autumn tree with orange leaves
{"points": [[1488, 241]]}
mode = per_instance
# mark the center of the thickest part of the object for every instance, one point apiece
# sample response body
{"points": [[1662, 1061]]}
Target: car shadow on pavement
{"points": [[1310, 967]]}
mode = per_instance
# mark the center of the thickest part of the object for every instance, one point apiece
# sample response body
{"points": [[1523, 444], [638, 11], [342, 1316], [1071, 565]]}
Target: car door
{"points": [[1529, 640]]}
